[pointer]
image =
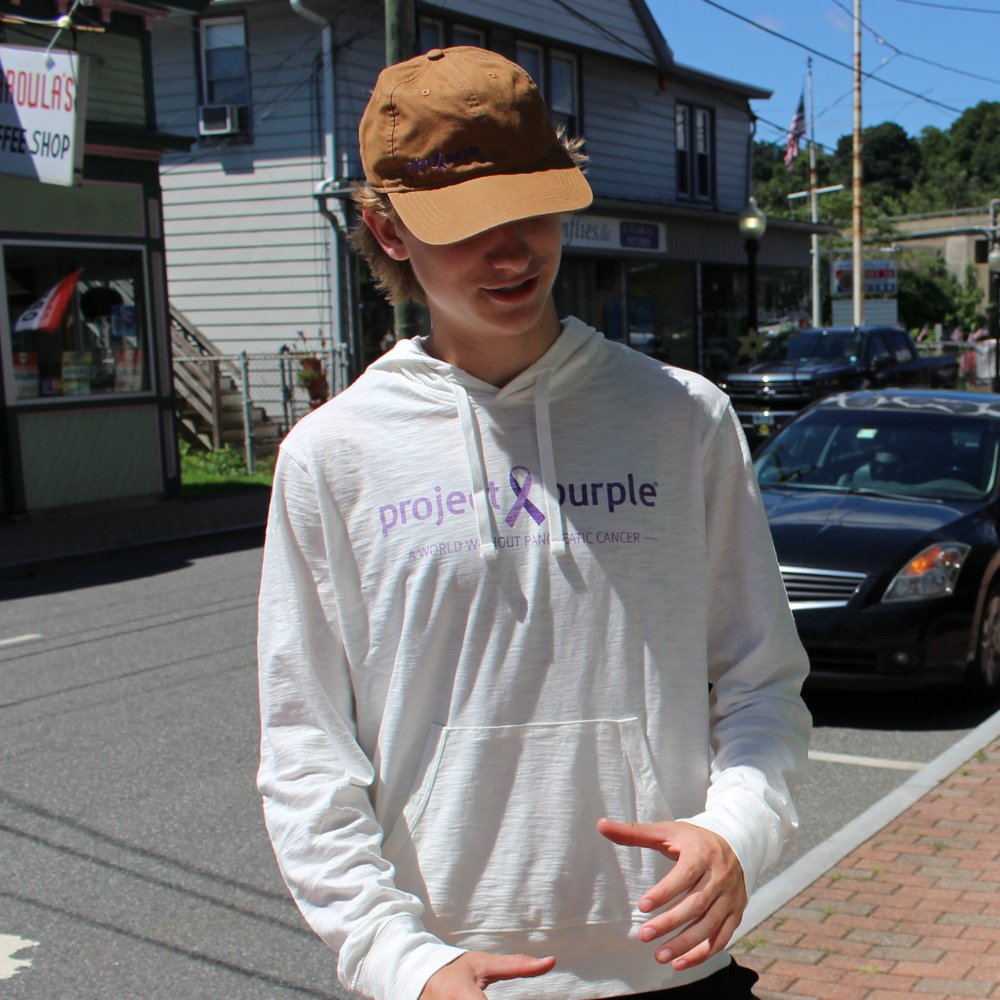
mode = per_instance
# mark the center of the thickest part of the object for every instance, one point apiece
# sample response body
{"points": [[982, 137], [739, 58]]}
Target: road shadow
{"points": [[939, 708], [119, 566]]}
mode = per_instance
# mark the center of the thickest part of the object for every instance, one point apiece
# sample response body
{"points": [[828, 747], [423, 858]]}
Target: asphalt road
{"points": [[132, 848]]}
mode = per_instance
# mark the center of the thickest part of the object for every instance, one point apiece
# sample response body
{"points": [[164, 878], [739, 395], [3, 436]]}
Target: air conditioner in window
{"points": [[222, 119]]}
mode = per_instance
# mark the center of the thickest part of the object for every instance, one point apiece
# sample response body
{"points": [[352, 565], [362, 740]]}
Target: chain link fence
{"points": [[251, 401]]}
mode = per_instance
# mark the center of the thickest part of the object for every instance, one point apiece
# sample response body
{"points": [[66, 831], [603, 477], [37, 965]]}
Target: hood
{"points": [[566, 363], [780, 371], [863, 534]]}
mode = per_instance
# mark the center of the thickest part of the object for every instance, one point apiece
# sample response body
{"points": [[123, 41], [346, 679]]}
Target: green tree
{"points": [[929, 293], [890, 163]]}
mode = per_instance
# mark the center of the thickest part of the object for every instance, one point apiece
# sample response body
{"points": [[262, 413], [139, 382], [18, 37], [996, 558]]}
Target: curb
{"points": [[783, 888], [244, 533]]}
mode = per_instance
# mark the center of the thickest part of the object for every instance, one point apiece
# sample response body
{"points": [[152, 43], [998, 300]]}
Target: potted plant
{"points": [[312, 379]]}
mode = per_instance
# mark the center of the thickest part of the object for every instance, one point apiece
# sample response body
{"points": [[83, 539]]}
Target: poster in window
{"points": [[76, 373], [26, 375], [123, 324], [128, 370]]}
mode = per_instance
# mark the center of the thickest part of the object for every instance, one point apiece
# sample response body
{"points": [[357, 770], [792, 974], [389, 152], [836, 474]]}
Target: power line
{"points": [[909, 55], [831, 59], [600, 27], [945, 6]]}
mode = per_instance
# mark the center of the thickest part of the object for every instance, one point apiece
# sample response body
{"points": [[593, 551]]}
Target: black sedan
{"points": [[883, 507]]}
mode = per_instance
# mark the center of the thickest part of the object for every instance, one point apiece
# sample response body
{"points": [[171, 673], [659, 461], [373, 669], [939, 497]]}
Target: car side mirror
{"points": [[881, 361]]}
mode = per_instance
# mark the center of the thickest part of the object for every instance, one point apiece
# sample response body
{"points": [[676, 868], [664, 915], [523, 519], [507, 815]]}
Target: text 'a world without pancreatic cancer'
{"points": [[514, 501]]}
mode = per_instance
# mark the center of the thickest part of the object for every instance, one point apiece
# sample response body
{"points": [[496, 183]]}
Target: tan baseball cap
{"points": [[460, 141]]}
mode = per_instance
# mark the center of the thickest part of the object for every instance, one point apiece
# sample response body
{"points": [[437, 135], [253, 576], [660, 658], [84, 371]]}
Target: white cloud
{"points": [[839, 20], [766, 21]]}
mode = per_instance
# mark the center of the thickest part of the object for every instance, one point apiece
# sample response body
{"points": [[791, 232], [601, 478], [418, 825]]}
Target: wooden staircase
{"points": [[209, 398]]}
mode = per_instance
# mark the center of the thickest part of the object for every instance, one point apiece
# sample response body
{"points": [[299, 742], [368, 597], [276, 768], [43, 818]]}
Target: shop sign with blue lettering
{"points": [[599, 232]]}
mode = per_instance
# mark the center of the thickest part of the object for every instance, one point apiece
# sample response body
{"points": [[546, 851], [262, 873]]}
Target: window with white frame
{"points": [[556, 76], [436, 34], [562, 96], [431, 34], [694, 143], [463, 35], [224, 69], [531, 58]]}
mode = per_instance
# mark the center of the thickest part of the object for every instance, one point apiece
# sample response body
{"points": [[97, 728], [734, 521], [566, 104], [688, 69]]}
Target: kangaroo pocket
{"points": [[500, 832]]}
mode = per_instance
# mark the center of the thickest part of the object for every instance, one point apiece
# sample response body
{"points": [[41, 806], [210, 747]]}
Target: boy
{"points": [[529, 680]]}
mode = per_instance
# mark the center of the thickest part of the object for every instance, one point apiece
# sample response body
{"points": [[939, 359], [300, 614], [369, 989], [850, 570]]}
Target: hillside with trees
{"points": [[936, 170]]}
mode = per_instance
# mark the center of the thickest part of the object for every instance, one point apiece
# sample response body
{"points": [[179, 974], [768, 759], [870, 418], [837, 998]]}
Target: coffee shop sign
{"points": [[42, 99], [598, 232]]}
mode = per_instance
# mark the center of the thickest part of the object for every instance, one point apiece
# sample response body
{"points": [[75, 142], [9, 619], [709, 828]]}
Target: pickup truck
{"points": [[797, 367]]}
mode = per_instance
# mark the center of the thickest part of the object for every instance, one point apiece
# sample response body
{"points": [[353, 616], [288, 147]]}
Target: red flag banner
{"points": [[47, 313]]}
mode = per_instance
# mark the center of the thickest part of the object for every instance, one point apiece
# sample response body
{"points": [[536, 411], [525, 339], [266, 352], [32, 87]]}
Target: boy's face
{"points": [[497, 282]]}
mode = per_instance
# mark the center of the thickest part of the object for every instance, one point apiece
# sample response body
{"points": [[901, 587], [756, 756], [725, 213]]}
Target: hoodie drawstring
{"points": [[543, 430], [477, 471]]}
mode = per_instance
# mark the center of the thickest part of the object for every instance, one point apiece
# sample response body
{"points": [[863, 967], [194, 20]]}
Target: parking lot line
{"points": [[849, 758], [17, 639]]}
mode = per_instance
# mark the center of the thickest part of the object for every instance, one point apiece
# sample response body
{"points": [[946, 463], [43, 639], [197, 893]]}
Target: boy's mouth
{"points": [[519, 292]]}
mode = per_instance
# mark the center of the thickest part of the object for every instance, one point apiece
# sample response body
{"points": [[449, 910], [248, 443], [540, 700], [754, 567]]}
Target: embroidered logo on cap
{"points": [[439, 161]]}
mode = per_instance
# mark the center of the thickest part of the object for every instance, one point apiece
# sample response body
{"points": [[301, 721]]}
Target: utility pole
{"points": [[401, 44], [859, 263], [400, 31], [817, 319]]}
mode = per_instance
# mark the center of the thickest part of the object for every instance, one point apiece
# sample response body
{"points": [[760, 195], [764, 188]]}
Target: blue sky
{"points": [[709, 39]]}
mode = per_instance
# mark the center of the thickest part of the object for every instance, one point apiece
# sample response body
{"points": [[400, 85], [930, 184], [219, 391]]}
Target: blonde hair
{"points": [[396, 278]]}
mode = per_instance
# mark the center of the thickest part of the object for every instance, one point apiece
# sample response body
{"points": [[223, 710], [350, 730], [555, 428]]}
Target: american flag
{"points": [[797, 130]]}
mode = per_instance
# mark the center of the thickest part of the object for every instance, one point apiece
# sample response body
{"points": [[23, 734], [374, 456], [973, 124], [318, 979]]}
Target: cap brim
{"points": [[458, 211]]}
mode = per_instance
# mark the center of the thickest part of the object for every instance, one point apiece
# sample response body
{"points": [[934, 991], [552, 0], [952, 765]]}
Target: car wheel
{"points": [[982, 680]]}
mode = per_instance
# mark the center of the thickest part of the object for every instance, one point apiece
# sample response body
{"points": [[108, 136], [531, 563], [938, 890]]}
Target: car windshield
{"points": [[931, 455], [813, 345]]}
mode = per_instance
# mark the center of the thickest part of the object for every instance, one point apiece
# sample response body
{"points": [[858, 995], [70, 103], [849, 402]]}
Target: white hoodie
{"points": [[489, 617]]}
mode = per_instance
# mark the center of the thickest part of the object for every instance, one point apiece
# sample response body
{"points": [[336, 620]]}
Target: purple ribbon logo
{"points": [[521, 492]]}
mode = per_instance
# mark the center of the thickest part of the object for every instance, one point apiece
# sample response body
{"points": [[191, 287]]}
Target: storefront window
{"points": [[782, 297], [658, 295], [76, 321], [661, 311], [591, 289]]}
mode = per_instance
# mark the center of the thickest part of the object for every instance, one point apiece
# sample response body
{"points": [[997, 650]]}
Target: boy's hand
{"points": [[710, 874], [471, 973]]}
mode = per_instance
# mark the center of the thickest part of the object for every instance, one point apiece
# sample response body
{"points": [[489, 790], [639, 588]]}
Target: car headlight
{"points": [[931, 574]]}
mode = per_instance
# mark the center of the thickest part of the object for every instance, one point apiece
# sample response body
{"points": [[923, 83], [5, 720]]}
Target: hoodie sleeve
{"points": [[314, 776], [759, 724]]}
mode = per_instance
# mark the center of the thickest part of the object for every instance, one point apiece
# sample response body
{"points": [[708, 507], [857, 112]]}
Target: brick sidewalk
{"points": [[915, 911]]}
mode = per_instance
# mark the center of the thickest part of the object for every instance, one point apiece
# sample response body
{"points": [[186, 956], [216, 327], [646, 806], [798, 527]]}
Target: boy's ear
{"points": [[385, 231]]}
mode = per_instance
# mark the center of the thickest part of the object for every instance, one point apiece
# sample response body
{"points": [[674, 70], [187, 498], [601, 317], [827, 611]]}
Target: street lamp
{"points": [[753, 224], [994, 264]]}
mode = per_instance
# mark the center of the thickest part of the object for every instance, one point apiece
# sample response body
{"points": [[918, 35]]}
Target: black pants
{"points": [[731, 983]]}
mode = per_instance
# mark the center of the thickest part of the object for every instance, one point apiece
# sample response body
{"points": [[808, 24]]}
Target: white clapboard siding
{"points": [[357, 70], [623, 34], [628, 123], [732, 137], [246, 248]]}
